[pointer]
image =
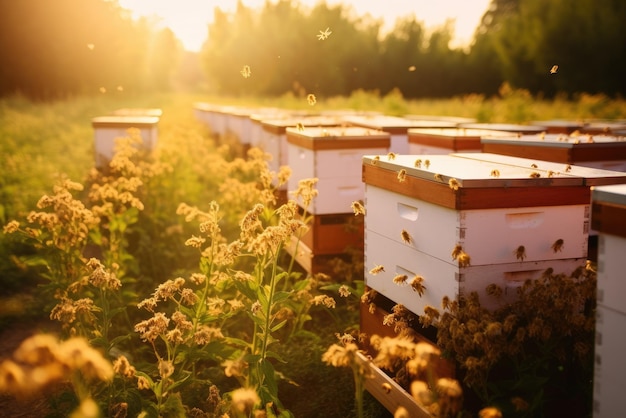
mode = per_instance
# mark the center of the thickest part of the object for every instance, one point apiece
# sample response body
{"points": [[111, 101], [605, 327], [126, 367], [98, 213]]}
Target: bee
{"points": [[400, 279], [245, 71], [91, 46], [551, 173], [520, 253], [535, 175], [542, 136], [458, 249], [402, 175], [590, 139], [438, 176], [533, 165], [495, 173], [387, 387], [300, 126], [557, 246], [358, 208], [454, 184], [461, 256], [406, 237], [412, 68], [311, 99], [377, 269], [324, 34], [427, 164], [568, 168], [391, 156], [554, 69], [417, 284], [375, 160], [418, 163]]}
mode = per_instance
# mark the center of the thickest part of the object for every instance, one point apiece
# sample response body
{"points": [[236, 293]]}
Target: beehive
{"points": [[274, 136], [108, 128], [397, 127], [514, 222], [333, 155], [559, 126], [447, 140], [609, 212], [604, 127], [599, 151], [211, 115]]}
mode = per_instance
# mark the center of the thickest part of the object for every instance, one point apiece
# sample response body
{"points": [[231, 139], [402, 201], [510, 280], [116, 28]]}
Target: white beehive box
{"points": [[489, 216], [108, 128], [447, 140], [598, 151], [609, 218], [397, 127], [609, 367], [334, 156], [274, 138]]}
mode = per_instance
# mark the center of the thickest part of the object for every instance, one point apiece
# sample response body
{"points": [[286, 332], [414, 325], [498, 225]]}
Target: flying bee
{"points": [[377, 269], [324, 34], [463, 259], [495, 173], [554, 69], [454, 184], [418, 163], [358, 208], [400, 279], [427, 164], [311, 99], [557, 246], [245, 71], [417, 284], [406, 237], [458, 249], [520, 253]]}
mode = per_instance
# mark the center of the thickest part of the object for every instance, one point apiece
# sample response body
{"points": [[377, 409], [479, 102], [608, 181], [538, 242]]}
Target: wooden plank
{"points": [[557, 155], [389, 393], [338, 138], [451, 142], [608, 218]]}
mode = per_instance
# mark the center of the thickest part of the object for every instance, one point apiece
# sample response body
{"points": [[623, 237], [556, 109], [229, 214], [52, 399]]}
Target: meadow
{"points": [[171, 266]]}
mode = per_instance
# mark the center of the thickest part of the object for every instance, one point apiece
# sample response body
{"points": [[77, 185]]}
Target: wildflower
{"points": [[11, 227], [243, 401], [143, 383], [377, 269], [245, 72], [197, 278], [195, 242], [490, 412], [323, 35], [325, 300], [450, 396], [344, 291], [358, 208], [151, 328], [311, 99], [306, 191], [256, 307], [338, 356], [421, 393], [122, 367], [166, 369], [206, 334]]}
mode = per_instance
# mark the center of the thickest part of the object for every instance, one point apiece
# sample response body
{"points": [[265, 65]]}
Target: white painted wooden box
{"points": [[609, 218], [108, 128], [443, 278], [512, 221], [397, 127], [447, 140], [609, 367], [597, 151], [334, 156]]}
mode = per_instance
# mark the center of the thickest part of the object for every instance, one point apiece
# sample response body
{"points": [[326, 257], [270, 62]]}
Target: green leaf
{"points": [[278, 326]]}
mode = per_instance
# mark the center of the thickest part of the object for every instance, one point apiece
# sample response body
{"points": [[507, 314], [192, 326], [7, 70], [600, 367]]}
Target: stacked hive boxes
{"points": [[108, 128], [460, 222], [609, 214], [333, 155]]}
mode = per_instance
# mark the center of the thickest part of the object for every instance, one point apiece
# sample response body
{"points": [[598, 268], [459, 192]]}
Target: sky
{"points": [[188, 19]]}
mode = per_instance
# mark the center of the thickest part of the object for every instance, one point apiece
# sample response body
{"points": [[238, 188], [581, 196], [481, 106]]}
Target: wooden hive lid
{"points": [[395, 124], [348, 137], [609, 209], [559, 147], [460, 183], [280, 125], [507, 127], [124, 121], [591, 176], [451, 138]]}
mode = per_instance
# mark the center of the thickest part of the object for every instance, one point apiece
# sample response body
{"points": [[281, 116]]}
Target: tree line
{"points": [[51, 49]]}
